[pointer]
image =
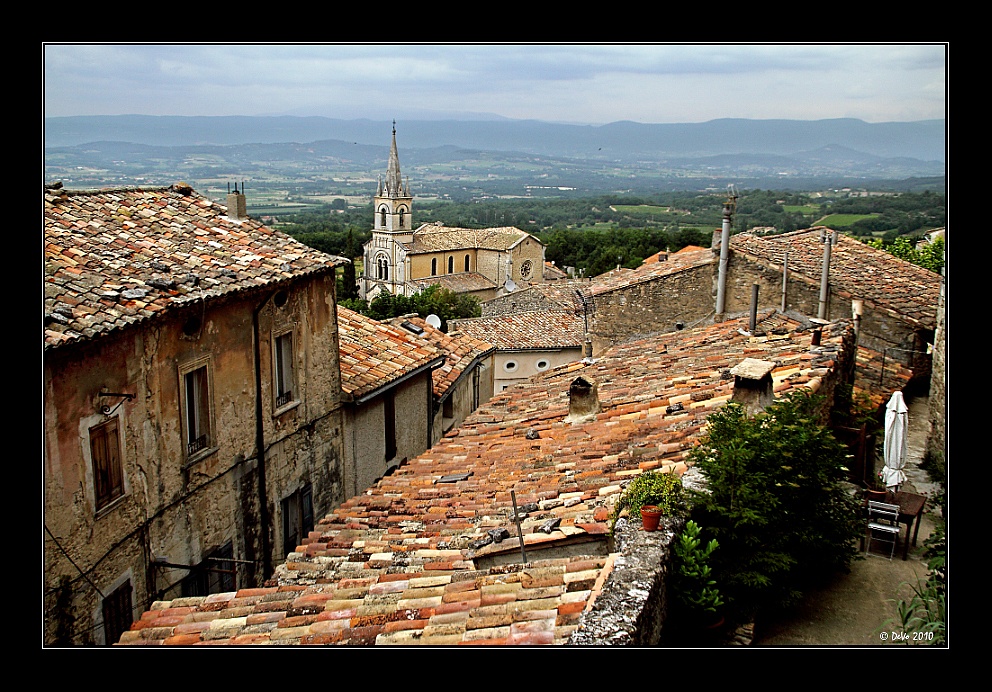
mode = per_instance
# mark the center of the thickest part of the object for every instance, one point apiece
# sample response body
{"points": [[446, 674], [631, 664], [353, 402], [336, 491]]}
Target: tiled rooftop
{"points": [[892, 285], [459, 349], [117, 257], [405, 563], [436, 237], [675, 262], [537, 329], [374, 353]]}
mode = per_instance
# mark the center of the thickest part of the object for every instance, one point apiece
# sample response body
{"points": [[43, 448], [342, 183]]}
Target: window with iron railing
{"points": [[284, 377], [197, 414]]}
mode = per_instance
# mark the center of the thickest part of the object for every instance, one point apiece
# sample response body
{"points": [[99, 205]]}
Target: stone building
{"points": [[526, 343], [402, 260], [464, 381], [192, 402], [386, 374]]}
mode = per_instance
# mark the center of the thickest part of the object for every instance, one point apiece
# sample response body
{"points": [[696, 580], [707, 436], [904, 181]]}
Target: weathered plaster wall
{"points": [[177, 506]]}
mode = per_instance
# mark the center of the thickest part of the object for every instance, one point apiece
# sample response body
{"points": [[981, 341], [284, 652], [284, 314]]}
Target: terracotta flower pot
{"points": [[650, 516]]}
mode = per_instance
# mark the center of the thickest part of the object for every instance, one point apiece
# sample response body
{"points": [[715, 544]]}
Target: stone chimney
{"points": [[236, 206], [583, 400], [753, 386]]}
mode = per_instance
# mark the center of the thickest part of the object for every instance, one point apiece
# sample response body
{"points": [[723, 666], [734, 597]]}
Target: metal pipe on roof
{"points": [[828, 240], [721, 293], [785, 279]]}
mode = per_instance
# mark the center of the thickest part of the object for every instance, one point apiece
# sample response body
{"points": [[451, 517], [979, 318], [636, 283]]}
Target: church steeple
{"points": [[394, 182], [393, 201]]}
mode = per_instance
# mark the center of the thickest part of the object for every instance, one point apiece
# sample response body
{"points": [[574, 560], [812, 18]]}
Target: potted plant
{"points": [[657, 489], [695, 588]]}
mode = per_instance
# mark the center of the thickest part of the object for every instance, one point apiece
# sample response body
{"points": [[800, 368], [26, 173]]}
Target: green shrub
{"points": [[652, 488], [695, 588], [776, 500]]}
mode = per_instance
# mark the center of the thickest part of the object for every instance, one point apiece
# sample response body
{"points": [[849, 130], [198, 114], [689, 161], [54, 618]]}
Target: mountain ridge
{"points": [[622, 140]]}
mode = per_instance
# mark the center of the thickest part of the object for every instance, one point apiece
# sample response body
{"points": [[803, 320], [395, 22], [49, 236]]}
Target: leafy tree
{"points": [[930, 256], [777, 502], [436, 300], [349, 284]]}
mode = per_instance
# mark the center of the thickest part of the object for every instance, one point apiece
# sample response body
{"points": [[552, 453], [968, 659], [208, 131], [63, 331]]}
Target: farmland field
{"points": [[842, 220]]}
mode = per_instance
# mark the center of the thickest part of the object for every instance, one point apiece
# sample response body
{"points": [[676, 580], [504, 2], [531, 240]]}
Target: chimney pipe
{"points": [[785, 280], [828, 240], [754, 308], [721, 293], [583, 400]]}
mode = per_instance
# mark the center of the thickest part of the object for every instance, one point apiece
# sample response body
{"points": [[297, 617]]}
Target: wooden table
{"points": [[910, 509]]}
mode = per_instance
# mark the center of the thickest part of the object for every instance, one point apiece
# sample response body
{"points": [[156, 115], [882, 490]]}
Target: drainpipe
{"points": [[260, 445]]}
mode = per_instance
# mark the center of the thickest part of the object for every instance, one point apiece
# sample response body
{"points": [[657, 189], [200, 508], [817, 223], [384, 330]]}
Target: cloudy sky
{"points": [[576, 83]]}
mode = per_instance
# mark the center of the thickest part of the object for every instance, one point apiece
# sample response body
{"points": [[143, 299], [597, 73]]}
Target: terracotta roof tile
{"points": [[890, 284], [117, 257], [536, 329], [436, 237], [374, 354], [406, 562], [460, 350]]}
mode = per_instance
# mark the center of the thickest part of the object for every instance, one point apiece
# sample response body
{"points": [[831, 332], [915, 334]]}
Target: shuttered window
{"points": [[108, 476]]}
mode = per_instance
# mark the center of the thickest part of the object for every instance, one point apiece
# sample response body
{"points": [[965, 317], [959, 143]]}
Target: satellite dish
{"points": [[510, 286], [433, 320]]}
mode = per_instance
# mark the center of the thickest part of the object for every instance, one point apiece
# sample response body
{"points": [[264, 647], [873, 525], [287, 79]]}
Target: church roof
{"points": [[436, 237]]}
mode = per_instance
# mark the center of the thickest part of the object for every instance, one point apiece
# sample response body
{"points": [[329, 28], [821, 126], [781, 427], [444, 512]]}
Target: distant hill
{"points": [[313, 157], [623, 141]]}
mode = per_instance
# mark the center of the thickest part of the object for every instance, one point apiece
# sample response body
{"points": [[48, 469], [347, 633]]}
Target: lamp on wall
{"points": [[107, 410]]}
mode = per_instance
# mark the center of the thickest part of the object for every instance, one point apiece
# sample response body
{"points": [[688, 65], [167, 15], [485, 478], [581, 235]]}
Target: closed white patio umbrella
{"points": [[896, 442]]}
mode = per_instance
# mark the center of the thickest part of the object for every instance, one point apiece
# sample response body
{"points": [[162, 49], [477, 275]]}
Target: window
{"points": [[216, 574], [382, 268], [105, 451], [297, 518], [451, 265], [196, 403], [434, 266], [117, 613], [382, 218], [510, 365], [543, 365], [283, 364], [466, 262]]}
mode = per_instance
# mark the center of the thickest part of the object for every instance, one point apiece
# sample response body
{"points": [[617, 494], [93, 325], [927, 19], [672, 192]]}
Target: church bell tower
{"points": [[393, 201]]}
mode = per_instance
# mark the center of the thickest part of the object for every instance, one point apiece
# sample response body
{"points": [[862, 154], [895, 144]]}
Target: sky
{"points": [[571, 83]]}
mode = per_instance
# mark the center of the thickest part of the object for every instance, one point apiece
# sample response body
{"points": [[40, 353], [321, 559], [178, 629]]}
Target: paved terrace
{"points": [[429, 555]]}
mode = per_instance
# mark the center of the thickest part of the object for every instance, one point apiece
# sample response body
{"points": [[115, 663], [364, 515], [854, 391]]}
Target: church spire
{"points": [[394, 183]]}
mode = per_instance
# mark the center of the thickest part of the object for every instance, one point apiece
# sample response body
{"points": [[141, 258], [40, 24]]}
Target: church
{"points": [[401, 260]]}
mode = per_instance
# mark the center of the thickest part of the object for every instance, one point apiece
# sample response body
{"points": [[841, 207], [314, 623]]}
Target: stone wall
{"points": [[651, 306]]}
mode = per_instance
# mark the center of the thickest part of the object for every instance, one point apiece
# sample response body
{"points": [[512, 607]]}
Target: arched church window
{"points": [[451, 265], [434, 266], [382, 269], [382, 217], [466, 262]]}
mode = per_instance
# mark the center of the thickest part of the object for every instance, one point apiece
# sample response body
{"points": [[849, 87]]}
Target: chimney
{"points": [[236, 207], [753, 386], [583, 400]]}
